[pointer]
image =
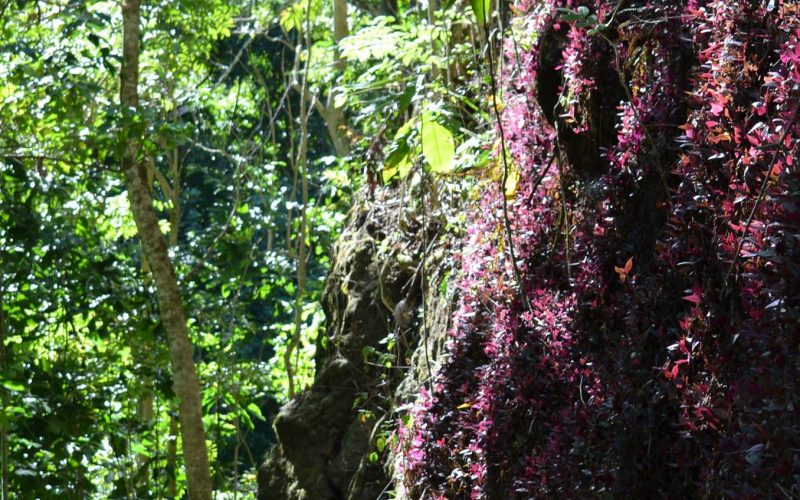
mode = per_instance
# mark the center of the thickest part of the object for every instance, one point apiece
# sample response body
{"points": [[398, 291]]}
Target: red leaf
{"points": [[693, 298], [671, 374], [624, 271]]}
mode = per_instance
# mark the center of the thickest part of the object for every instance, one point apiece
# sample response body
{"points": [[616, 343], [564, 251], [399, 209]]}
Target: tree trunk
{"points": [[4, 391], [172, 457], [340, 30], [301, 170], [170, 302], [335, 119]]}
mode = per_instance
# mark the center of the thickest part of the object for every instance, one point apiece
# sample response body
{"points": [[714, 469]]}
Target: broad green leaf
{"points": [[400, 167], [13, 386], [256, 412], [387, 173], [404, 167], [438, 145], [481, 10], [292, 17], [398, 158], [248, 422], [397, 152]]}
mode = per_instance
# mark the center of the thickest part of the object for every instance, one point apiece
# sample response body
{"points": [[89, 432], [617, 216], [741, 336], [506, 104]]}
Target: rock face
{"points": [[324, 442]]}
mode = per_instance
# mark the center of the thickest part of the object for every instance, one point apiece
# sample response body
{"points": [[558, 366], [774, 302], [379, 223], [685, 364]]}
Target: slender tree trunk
{"points": [[335, 120], [4, 367], [144, 414], [432, 7], [294, 343], [170, 302], [172, 456], [340, 29], [301, 170]]}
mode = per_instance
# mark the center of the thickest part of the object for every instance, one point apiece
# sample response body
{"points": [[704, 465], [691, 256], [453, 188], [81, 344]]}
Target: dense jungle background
{"points": [[369, 249]]}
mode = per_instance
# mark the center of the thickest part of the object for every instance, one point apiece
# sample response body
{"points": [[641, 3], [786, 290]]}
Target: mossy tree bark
{"points": [[170, 302]]}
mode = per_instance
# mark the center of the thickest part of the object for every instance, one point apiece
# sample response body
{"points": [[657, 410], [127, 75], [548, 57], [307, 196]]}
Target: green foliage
{"points": [[86, 386], [482, 10], [438, 145], [399, 153]]}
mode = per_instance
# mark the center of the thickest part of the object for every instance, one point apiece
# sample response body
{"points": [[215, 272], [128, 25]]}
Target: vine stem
{"points": [[761, 192], [503, 156], [4, 396], [564, 213], [424, 326]]}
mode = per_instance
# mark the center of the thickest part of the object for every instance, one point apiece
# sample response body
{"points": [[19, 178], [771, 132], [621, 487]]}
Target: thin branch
{"points": [[503, 154], [235, 61], [301, 169], [424, 333], [162, 181], [562, 218], [565, 219]]}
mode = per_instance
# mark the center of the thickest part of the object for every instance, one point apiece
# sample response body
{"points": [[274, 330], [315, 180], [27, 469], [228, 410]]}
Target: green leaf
{"points": [[397, 152], [406, 98], [512, 180], [13, 386], [256, 412], [398, 161], [404, 167], [570, 15], [444, 284], [388, 173], [292, 17], [438, 145], [481, 10]]}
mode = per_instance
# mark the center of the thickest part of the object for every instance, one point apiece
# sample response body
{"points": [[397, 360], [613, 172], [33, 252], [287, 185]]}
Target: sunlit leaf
{"points": [[254, 410], [13, 386], [438, 145], [481, 10]]}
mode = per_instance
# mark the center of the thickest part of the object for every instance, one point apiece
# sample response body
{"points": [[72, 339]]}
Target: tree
{"points": [[170, 302]]}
